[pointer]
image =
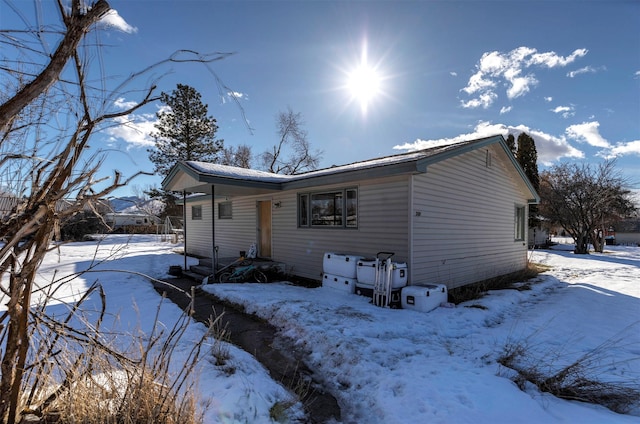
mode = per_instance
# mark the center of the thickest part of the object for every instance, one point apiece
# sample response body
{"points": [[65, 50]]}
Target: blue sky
{"points": [[566, 72]]}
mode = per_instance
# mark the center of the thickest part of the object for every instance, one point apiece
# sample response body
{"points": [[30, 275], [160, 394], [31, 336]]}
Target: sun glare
{"points": [[364, 82]]}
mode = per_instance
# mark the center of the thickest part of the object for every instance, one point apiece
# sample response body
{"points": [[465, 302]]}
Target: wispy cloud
{"points": [[550, 148], [505, 109], [234, 96], [565, 111], [122, 104], [113, 20], [628, 148], [548, 99], [637, 74], [585, 70], [497, 69], [453, 74]]}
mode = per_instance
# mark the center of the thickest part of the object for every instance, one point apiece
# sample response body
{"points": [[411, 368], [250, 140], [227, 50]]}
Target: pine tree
{"points": [[184, 131], [527, 157], [511, 143]]}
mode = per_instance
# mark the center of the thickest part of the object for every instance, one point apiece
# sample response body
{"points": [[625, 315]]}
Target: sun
{"points": [[364, 82], [364, 85]]}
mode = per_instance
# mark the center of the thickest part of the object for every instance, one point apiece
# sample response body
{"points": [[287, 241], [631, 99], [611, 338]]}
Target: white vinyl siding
{"points": [[382, 226], [199, 230], [238, 233], [463, 221]]}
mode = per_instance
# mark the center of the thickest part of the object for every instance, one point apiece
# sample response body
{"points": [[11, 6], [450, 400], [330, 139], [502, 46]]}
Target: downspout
{"points": [[184, 225], [214, 257]]}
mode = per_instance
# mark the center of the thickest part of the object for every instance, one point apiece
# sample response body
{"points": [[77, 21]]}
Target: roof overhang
{"points": [[195, 177]]}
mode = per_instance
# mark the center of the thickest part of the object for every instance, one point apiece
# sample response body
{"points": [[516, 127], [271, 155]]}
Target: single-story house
{"points": [[627, 232], [455, 214], [117, 220]]}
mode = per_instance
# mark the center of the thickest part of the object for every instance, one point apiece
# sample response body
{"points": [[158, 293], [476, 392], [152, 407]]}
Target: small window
{"points": [[224, 210], [196, 212], [334, 209], [303, 210], [519, 223]]}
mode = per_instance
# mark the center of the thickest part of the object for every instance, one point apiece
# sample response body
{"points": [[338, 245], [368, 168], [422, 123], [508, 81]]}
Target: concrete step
{"points": [[201, 269], [194, 276]]}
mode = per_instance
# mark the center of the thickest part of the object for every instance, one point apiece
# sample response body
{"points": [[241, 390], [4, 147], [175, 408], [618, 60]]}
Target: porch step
{"points": [[198, 278], [201, 269]]}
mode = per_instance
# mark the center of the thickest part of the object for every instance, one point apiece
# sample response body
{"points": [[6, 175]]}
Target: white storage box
{"points": [[399, 275], [340, 264], [423, 298], [338, 282], [366, 272]]}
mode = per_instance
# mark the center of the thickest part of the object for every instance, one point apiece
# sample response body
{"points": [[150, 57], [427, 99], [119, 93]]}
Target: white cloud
{"points": [[549, 148], [552, 60], [629, 148], [453, 74], [485, 100], [507, 68], [588, 132], [585, 70], [113, 20], [505, 109], [548, 99], [235, 96], [637, 74], [120, 103], [134, 130], [566, 111]]}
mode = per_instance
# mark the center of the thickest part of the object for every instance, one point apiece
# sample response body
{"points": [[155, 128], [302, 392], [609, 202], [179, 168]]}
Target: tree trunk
{"points": [[582, 245]]}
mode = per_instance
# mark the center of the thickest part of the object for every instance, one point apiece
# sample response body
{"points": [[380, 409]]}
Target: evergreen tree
{"points": [[527, 157], [511, 143], [184, 131]]}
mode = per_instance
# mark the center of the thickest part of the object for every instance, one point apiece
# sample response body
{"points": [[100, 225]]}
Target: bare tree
{"points": [[240, 156], [48, 115], [292, 154], [584, 200]]}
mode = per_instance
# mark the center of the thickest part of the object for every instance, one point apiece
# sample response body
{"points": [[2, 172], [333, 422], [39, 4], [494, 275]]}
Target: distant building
{"points": [[121, 220]]}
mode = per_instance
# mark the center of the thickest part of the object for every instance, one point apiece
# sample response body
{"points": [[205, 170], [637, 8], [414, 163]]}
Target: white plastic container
{"points": [[423, 298], [338, 282], [366, 272], [340, 264], [399, 275]]}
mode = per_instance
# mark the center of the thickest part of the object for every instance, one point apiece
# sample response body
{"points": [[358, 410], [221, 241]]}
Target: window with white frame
{"points": [[520, 227], [329, 209]]}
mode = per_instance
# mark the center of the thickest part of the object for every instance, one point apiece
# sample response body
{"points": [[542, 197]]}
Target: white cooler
{"points": [[366, 276], [340, 264], [338, 282], [423, 298]]}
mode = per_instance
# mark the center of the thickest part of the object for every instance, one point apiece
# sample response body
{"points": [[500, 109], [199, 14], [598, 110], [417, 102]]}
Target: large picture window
{"points": [[329, 209], [519, 233]]}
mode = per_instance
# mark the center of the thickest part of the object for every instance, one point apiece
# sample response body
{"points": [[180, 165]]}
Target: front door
{"points": [[264, 229]]}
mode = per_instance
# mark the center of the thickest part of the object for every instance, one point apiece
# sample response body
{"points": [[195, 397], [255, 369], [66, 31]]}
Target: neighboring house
{"points": [[455, 214], [538, 237], [7, 204], [121, 220], [627, 232]]}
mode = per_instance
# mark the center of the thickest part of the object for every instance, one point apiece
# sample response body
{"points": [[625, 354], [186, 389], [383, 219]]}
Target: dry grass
{"points": [[578, 379], [77, 374]]}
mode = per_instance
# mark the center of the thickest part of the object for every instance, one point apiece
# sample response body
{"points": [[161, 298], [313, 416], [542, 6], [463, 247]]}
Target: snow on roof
{"points": [[262, 176]]}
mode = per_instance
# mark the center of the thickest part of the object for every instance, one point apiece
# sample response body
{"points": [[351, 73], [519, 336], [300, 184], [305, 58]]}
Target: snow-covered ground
{"points": [[401, 366]]}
